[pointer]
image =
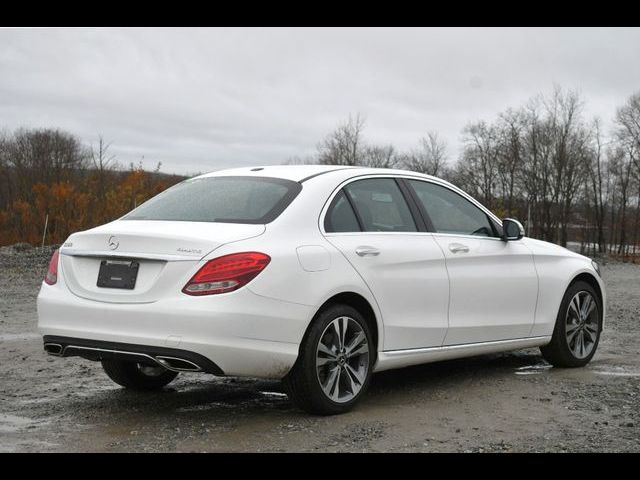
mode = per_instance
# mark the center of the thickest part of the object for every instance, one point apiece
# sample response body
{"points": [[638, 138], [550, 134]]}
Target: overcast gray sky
{"points": [[204, 99]]}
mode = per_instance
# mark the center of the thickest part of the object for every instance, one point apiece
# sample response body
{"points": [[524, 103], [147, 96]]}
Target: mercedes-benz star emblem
{"points": [[113, 242]]}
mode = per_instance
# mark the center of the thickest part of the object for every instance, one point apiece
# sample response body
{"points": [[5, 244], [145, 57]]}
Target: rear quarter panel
{"points": [[305, 268]]}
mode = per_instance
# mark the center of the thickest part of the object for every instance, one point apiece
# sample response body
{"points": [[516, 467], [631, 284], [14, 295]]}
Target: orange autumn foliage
{"points": [[75, 207]]}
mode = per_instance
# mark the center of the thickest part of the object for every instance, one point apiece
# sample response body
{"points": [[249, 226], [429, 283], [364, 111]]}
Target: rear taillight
{"points": [[52, 274], [226, 274]]}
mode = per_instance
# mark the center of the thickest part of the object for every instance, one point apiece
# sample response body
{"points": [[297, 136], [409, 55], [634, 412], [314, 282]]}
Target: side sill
{"points": [[390, 359]]}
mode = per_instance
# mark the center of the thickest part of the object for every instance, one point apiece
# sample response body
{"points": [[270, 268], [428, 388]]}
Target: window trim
{"points": [[355, 211], [419, 219], [425, 213], [403, 177], [417, 204]]}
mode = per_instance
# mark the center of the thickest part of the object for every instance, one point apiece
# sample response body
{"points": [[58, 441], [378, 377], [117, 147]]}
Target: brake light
{"points": [[52, 274], [227, 273]]}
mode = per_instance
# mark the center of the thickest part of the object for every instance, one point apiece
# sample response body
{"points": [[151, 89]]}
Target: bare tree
{"points": [[509, 159], [628, 120], [297, 160], [628, 134], [430, 158], [43, 156], [345, 145], [568, 158], [377, 156], [596, 173], [477, 167], [6, 185], [103, 164]]}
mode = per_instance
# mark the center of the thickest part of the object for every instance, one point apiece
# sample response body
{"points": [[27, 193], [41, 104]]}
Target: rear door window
{"points": [[380, 205], [340, 216]]}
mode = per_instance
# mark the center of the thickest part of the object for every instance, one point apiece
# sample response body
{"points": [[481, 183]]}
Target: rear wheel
{"points": [[578, 326], [334, 366], [138, 376]]}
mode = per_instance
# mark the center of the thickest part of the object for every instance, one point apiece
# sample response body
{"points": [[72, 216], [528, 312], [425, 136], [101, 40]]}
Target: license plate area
{"points": [[118, 274]]}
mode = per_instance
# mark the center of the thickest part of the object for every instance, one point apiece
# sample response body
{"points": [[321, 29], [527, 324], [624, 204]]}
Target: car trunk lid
{"points": [[165, 252]]}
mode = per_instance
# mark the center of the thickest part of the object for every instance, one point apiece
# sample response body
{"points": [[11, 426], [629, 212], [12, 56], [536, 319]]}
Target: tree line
{"points": [[562, 174], [48, 175], [544, 162]]}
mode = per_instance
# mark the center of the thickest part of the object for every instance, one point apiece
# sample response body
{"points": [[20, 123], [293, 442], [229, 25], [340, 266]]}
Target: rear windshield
{"points": [[220, 199]]}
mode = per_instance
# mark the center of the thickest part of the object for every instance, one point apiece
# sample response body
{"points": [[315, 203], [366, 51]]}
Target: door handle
{"points": [[367, 251], [458, 248]]}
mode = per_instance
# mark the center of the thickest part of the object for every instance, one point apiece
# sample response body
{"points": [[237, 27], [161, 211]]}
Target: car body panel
{"points": [[409, 281], [243, 333], [557, 267], [493, 289]]}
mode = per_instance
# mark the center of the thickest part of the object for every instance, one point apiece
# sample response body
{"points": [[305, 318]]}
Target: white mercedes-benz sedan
{"points": [[316, 275]]}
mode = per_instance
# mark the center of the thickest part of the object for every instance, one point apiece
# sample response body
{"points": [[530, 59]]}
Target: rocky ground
{"points": [[497, 403]]}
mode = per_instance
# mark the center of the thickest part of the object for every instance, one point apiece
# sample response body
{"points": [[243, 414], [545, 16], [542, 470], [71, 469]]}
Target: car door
{"points": [[371, 223], [493, 283]]}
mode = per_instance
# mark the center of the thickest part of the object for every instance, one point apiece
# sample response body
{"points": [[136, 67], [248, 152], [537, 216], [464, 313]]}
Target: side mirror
{"points": [[512, 229]]}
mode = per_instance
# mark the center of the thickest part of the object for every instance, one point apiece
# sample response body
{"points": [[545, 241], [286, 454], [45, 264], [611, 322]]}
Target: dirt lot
{"points": [[504, 403]]}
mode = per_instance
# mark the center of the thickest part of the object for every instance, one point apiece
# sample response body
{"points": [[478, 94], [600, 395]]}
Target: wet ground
{"points": [[497, 403]]}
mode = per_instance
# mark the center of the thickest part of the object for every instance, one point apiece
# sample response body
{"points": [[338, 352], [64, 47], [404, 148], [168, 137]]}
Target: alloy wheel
{"points": [[582, 324], [342, 359]]}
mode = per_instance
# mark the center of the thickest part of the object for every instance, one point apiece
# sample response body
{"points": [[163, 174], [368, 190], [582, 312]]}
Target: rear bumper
{"points": [[239, 333], [171, 358]]}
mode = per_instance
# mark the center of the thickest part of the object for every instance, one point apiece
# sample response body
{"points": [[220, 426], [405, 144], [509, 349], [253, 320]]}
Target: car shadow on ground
{"points": [[203, 396], [458, 370]]}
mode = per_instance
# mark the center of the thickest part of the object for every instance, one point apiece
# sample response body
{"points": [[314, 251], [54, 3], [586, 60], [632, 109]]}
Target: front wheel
{"points": [[137, 376], [334, 366], [578, 326]]}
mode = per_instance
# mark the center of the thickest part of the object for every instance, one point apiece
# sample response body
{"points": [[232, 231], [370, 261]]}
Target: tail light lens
{"points": [[52, 274], [226, 274]]}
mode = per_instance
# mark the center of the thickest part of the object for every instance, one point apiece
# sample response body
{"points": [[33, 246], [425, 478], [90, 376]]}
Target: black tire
{"points": [[558, 352], [302, 383], [130, 375]]}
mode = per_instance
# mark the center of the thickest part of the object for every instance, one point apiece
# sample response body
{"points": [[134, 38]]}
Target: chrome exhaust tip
{"points": [[177, 364], [53, 349]]}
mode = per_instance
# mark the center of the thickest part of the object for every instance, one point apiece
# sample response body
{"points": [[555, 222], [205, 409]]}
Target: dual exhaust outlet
{"points": [[174, 364]]}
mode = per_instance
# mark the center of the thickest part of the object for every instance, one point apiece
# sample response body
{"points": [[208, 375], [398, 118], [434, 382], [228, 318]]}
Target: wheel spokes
{"points": [[586, 306], [343, 332], [320, 362], [322, 348], [581, 343], [336, 388], [592, 307], [351, 380], [591, 332], [355, 342], [330, 381], [354, 374], [361, 350], [572, 331], [575, 305]]}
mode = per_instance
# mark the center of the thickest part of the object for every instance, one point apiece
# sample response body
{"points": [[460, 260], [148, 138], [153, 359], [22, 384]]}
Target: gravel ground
{"points": [[497, 403]]}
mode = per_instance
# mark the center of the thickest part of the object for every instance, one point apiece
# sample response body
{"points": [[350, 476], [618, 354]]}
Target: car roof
{"points": [[301, 173]]}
